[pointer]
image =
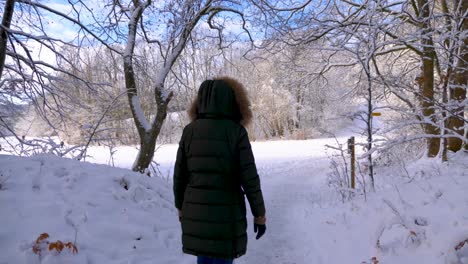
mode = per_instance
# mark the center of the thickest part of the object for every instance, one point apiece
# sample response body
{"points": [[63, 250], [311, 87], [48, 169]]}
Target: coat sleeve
{"points": [[250, 181], [180, 173]]}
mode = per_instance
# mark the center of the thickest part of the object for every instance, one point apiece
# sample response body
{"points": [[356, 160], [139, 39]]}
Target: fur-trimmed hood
{"points": [[222, 97]]}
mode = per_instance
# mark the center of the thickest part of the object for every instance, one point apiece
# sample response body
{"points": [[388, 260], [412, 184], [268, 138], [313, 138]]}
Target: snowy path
{"points": [[293, 177], [290, 193], [291, 189]]}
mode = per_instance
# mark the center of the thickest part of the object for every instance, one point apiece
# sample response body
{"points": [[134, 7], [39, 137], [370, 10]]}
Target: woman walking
{"points": [[214, 169]]}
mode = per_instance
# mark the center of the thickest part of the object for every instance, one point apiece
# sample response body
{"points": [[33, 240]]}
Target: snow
{"points": [[139, 113], [114, 215], [64, 197]]}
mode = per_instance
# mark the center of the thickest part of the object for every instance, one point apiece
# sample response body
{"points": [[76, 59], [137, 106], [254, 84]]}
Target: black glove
{"points": [[261, 230]]}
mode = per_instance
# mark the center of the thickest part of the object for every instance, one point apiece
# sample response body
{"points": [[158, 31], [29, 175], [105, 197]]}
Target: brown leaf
{"points": [[36, 250], [42, 237], [52, 246], [72, 247], [58, 246]]}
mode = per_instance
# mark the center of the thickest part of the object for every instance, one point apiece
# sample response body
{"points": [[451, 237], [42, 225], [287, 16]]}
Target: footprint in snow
{"points": [[70, 182], [61, 172], [76, 217]]}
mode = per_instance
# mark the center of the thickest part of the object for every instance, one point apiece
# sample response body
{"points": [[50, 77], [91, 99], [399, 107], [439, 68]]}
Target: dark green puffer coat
{"points": [[215, 167]]}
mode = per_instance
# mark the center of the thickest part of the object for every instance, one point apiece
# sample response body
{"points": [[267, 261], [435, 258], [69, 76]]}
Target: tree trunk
{"points": [[458, 88], [444, 113], [148, 135], [369, 125], [6, 21], [426, 81], [148, 139]]}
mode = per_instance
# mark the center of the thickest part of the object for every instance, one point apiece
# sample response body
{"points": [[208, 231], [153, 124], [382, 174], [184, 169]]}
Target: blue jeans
{"points": [[208, 260]]}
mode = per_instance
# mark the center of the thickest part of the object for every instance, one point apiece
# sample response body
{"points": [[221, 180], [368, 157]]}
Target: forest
{"points": [[119, 72]]}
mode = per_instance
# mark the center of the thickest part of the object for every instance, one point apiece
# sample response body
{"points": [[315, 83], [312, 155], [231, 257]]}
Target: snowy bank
{"points": [[112, 215]]}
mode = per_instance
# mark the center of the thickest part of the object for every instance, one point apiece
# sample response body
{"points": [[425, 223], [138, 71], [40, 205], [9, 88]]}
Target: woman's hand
{"points": [[259, 226]]}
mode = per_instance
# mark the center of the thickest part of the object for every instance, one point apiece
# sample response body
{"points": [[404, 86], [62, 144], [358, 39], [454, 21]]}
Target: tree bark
{"points": [[148, 139], [458, 88], [6, 22], [426, 81]]}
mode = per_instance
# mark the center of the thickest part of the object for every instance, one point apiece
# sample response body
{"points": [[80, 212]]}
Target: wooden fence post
{"points": [[353, 161]]}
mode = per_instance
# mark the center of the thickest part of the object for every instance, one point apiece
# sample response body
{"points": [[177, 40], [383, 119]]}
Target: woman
{"points": [[215, 167]]}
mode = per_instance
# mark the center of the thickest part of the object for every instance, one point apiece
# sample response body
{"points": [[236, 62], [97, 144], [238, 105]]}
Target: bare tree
{"points": [[25, 75], [458, 87], [409, 26], [6, 22], [166, 27], [183, 18], [426, 79]]}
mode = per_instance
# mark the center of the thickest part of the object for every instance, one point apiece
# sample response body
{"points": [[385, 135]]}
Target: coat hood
{"points": [[222, 97]]}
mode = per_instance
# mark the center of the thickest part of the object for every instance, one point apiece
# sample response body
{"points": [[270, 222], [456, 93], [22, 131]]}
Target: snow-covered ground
{"points": [[114, 215]]}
